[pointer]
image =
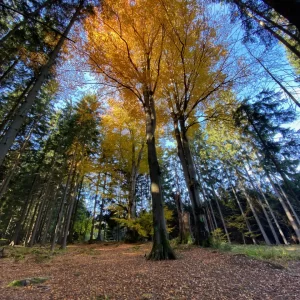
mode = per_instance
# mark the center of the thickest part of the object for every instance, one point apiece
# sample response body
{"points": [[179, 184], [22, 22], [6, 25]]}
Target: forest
{"points": [[160, 124]]}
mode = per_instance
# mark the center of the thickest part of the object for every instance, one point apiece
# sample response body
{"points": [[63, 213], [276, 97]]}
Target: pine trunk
{"points": [[261, 228], [20, 116]]}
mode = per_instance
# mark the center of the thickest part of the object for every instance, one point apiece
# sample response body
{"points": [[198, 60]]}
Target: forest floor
{"points": [[120, 271]]}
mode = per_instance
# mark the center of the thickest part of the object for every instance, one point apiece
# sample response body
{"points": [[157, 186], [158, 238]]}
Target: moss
{"points": [[27, 281]]}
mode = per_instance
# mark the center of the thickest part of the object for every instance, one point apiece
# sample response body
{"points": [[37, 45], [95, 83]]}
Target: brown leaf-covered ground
{"points": [[120, 271]]}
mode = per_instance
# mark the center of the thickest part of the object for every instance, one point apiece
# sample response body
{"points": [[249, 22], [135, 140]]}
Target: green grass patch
{"points": [[268, 252], [37, 254]]}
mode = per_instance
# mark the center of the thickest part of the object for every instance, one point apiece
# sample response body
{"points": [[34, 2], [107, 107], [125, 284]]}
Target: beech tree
{"points": [[125, 44]]}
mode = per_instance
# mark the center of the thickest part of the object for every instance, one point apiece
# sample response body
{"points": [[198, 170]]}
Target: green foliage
{"points": [[143, 224], [218, 240]]}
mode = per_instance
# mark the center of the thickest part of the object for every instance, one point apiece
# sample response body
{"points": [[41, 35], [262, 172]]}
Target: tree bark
{"points": [[264, 210], [13, 169], [94, 211], [290, 9], [161, 248], [267, 241], [9, 137], [70, 212], [201, 234], [61, 209]]}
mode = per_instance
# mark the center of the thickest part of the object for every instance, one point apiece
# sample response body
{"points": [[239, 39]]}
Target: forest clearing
{"points": [[149, 149], [120, 271]]}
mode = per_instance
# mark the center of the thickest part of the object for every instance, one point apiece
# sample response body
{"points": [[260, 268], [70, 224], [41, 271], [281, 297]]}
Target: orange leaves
{"points": [[124, 43]]}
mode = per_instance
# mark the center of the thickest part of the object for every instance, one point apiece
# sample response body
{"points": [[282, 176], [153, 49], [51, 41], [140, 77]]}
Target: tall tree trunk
{"points": [[42, 199], [161, 248], [4, 123], [26, 208], [282, 202], [70, 212], [288, 202], [49, 218], [216, 197], [11, 67], [201, 234], [61, 209], [243, 214], [290, 9], [270, 155], [133, 177], [273, 215], [24, 21], [261, 228], [13, 169], [74, 216], [291, 47], [9, 137], [183, 221], [264, 210], [289, 215], [275, 79], [102, 207], [94, 210], [31, 223]]}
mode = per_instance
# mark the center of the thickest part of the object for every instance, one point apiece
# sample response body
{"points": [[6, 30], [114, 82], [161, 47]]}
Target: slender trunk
{"points": [[161, 248], [94, 211], [63, 202], [275, 79], [262, 15], [9, 137], [276, 35], [267, 241], [289, 203], [13, 169], [282, 202], [216, 197], [273, 215], [24, 21], [23, 216], [4, 123], [285, 208], [210, 222], [243, 214], [212, 214], [68, 219], [49, 218], [30, 227], [264, 210], [2, 77], [101, 208], [133, 177], [73, 220], [183, 221], [42, 199], [288, 9]]}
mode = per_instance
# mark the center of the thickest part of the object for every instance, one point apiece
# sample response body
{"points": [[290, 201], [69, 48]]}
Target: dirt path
{"points": [[121, 272]]}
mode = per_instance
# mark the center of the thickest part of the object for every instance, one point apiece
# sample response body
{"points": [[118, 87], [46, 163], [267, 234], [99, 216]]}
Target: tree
{"points": [[21, 113], [125, 44]]}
